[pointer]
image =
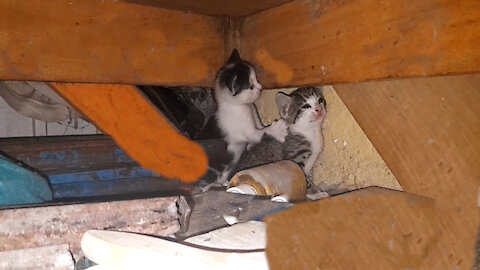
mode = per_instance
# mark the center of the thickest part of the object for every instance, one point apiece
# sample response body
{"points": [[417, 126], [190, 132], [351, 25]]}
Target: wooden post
{"points": [[64, 224]]}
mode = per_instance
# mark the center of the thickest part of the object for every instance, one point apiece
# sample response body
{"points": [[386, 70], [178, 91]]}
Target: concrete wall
{"points": [[348, 160], [13, 124]]}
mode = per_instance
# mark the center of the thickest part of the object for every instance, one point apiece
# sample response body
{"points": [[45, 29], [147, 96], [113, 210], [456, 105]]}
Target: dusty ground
{"points": [[349, 160]]}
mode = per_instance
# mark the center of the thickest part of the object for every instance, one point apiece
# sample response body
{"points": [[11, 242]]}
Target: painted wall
{"points": [[349, 160], [13, 124]]}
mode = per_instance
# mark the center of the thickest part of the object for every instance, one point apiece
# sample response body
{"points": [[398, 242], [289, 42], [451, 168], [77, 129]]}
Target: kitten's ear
{"points": [[234, 57], [283, 102], [319, 90], [234, 86]]}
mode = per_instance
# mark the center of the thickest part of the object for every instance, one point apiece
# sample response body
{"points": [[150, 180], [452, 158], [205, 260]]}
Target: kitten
{"points": [[304, 110], [236, 90]]}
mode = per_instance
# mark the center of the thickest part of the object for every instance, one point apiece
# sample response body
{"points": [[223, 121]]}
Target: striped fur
{"points": [[304, 111]]}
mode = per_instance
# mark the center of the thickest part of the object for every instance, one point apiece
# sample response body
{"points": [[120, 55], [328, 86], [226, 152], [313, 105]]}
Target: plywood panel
{"points": [[309, 42], [138, 128], [215, 7], [371, 228], [107, 41], [428, 133]]}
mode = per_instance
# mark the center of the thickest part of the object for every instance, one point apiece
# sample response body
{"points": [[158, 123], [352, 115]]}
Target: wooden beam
{"points": [[107, 42], [308, 42], [64, 224], [234, 8], [372, 228], [138, 128], [428, 133]]}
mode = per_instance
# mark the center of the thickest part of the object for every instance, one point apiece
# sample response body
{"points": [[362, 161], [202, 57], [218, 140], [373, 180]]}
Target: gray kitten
{"points": [[304, 111]]}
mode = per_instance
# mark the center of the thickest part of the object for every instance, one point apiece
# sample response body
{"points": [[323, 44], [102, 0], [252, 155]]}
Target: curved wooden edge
{"points": [[138, 128]]}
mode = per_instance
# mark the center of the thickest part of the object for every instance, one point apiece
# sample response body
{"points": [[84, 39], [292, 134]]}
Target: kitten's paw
{"points": [[278, 129], [313, 192]]}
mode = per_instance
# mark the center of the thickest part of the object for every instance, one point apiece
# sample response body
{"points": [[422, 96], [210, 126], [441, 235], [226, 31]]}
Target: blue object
{"points": [[19, 185]]}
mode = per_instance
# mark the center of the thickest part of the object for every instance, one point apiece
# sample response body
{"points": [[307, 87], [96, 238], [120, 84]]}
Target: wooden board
{"points": [[308, 42], [107, 42], [372, 228], [428, 133], [129, 251], [64, 224], [232, 8], [138, 128], [41, 258]]}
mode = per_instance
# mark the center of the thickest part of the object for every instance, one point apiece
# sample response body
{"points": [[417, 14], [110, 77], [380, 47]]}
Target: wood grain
{"points": [[307, 42], [372, 228], [129, 251], [428, 133], [138, 128], [107, 42], [64, 224], [233, 8]]}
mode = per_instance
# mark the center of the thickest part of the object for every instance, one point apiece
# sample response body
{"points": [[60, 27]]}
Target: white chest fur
{"points": [[237, 122]]}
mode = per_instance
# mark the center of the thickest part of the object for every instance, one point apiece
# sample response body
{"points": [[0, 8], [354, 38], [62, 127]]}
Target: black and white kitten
{"points": [[304, 110], [236, 90]]}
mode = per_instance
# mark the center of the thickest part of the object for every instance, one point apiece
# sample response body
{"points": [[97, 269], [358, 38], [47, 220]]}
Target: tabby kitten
{"points": [[236, 90], [304, 110]]}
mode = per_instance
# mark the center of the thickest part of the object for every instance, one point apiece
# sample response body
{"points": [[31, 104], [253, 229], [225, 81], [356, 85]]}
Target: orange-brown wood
{"points": [[428, 132], [138, 128], [309, 42], [234, 8], [372, 228], [107, 42]]}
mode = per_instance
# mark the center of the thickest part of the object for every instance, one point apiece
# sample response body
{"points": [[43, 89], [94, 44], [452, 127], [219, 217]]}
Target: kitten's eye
{"points": [[320, 100], [251, 87], [306, 106]]}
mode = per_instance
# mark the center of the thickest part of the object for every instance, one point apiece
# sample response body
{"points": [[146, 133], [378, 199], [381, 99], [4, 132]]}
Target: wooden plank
{"points": [[64, 224], [427, 131], [107, 42], [134, 187], [234, 8], [129, 251], [86, 166], [57, 155], [372, 228], [138, 128], [308, 42], [247, 235], [41, 258]]}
